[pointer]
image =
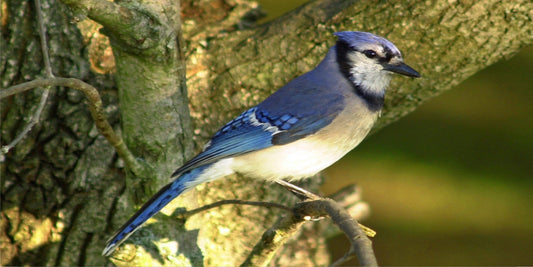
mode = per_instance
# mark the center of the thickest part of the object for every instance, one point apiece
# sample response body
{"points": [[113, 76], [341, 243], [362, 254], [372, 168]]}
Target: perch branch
{"points": [[315, 206], [95, 107], [360, 243]]}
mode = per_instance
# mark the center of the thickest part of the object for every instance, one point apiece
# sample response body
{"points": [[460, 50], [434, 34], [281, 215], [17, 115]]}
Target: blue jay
{"points": [[301, 129]]}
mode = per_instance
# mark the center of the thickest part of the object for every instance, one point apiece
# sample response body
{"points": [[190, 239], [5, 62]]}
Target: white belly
{"points": [[312, 154]]}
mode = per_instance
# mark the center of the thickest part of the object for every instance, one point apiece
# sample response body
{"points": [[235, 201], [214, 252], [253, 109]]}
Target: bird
{"points": [[299, 130]]}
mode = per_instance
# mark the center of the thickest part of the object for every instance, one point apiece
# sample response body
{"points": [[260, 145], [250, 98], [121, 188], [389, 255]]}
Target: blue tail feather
{"points": [[182, 183], [149, 209]]}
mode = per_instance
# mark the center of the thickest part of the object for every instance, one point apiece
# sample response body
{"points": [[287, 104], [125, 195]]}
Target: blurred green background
{"points": [[451, 183]]}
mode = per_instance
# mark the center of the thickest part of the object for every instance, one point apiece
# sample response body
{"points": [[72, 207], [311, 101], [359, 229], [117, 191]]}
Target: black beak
{"points": [[402, 69]]}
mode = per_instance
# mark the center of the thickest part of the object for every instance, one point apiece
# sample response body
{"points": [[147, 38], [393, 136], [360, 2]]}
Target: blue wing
{"points": [[313, 104], [296, 110], [241, 135]]}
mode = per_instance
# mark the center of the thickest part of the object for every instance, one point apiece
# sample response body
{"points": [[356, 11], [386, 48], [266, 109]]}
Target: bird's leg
{"points": [[301, 193]]}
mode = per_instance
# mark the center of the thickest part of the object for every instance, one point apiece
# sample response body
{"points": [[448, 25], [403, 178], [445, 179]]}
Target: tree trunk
{"points": [[64, 190], [56, 177]]}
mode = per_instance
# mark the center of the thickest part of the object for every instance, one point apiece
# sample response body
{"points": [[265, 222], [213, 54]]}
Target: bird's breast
{"points": [[311, 154]]}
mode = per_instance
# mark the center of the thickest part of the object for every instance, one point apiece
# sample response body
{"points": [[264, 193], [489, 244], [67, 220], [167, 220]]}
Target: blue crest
{"points": [[359, 39]]}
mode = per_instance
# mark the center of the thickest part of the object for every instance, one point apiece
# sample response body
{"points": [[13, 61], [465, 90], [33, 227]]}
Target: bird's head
{"points": [[369, 61]]}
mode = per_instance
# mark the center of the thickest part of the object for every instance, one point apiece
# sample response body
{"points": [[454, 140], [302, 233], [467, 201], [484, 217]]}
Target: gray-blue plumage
{"points": [[299, 130]]}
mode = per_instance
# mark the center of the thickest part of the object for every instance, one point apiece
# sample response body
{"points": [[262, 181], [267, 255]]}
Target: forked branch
{"points": [[313, 206]]}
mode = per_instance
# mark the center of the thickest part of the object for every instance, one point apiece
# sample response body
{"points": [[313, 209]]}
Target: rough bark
{"points": [[50, 187], [64, 191]]}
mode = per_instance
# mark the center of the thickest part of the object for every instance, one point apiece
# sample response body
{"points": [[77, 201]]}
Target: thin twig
{"points": [[44, 43], [34, 119], [234, 201], [23, 87], [95, 107], [348, 256]]}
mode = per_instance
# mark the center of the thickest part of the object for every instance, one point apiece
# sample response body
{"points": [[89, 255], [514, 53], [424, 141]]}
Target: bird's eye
{"points": [[370, 53]]}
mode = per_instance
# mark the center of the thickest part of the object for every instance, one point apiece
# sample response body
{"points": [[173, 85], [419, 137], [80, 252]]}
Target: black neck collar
{"points": [[374, 101]]}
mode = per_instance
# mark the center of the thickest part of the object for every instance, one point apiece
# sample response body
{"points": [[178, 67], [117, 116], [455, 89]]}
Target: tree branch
{"points": [[313, 206], [361, 244], [95, 107], [447, 43], [127, 25]]}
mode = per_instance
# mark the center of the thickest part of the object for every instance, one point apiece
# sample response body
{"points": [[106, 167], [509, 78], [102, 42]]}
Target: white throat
{"points": [[373, 82], [368, 75]]}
